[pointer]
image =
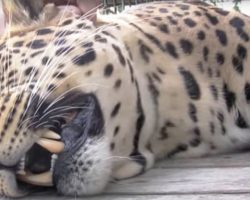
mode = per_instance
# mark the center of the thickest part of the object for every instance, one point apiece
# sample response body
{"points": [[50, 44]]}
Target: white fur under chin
{"points": [[95, 179]]}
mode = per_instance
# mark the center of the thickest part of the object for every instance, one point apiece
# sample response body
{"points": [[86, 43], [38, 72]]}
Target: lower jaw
{"points": [[43, 179]]}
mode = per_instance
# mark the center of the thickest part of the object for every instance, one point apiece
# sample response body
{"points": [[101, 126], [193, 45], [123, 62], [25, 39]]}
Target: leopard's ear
{"points": [[26, 15], [22, 12]]}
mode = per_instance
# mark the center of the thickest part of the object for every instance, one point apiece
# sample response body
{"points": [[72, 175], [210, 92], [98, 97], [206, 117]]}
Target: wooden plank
{"points": [[222, 177], [182, 181], [230, 160], [152, 197]]}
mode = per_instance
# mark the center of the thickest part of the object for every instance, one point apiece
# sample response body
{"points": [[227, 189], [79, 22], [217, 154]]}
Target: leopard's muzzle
{"points": [[55, 147]]}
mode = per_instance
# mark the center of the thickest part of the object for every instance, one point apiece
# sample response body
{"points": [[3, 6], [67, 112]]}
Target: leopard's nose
{"points": [[88, 122], [71, 133]]}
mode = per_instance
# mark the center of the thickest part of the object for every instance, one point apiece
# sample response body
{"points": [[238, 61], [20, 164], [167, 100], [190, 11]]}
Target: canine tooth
{"points": [[53, 161], [51, 145], [21, 172], [51, 135], [23, 158], [54, 156], [44, 179], [21, 164]]}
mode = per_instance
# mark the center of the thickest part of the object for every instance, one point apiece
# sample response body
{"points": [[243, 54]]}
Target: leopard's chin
{"points": [[86, 172]]}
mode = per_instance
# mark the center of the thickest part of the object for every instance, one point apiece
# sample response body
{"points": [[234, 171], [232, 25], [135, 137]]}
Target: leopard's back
{"points": [[192, 63]]}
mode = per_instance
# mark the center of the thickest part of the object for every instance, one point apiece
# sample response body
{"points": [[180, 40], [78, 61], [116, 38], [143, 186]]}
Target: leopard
{"points": [[84, 102]]}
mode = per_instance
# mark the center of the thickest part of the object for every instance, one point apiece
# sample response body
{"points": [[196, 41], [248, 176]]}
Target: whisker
{"points": [[45, 77], [35, 89], [119, 157], [61, 109], [25, 121]]}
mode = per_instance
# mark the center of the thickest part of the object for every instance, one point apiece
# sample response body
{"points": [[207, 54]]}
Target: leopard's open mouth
{"points": [[40, 165], [36, 167]]}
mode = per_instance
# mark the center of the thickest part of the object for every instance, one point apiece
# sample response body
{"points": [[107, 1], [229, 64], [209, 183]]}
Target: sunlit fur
{"points": [[149, 107]]}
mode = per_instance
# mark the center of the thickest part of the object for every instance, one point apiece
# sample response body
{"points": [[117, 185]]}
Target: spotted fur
{"points": [[168, 79]]}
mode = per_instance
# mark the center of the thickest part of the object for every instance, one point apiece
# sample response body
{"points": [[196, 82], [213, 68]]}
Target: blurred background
{"points": [[238, 5], [118, 5]]}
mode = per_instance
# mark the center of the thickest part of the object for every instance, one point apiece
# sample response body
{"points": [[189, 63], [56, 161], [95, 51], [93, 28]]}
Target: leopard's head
{"points": [[50, 131]]}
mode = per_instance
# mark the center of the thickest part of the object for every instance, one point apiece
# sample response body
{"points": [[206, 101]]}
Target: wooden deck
{"points": [[219, 178]]}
